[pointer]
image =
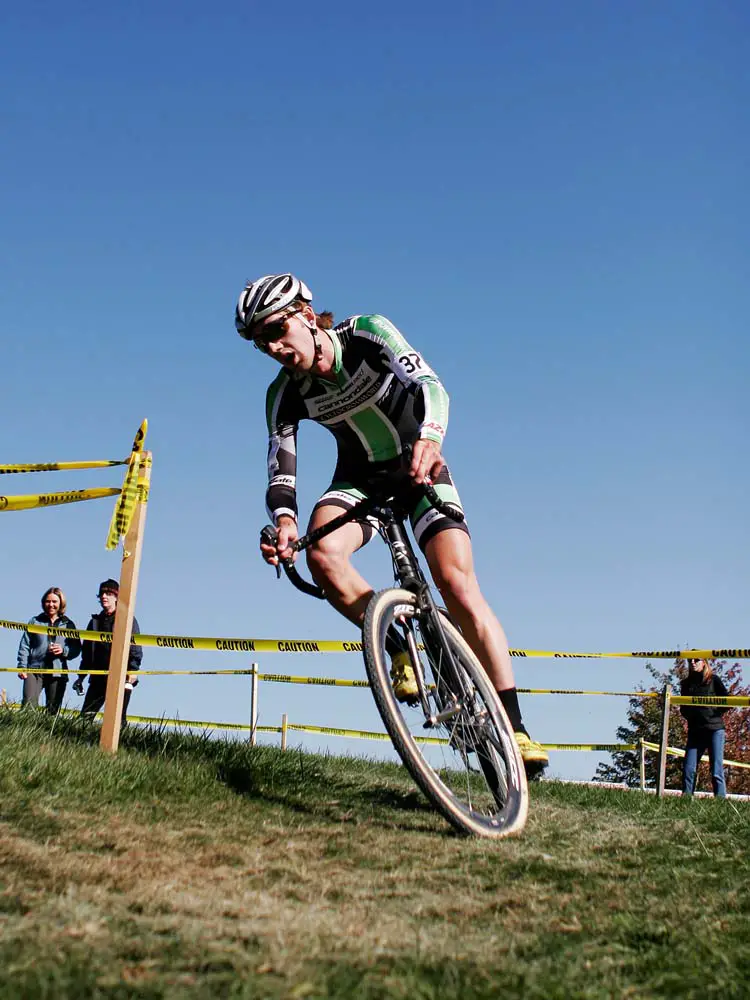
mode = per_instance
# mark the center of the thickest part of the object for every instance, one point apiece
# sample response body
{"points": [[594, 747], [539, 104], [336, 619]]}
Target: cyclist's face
{"points": [[287, 340]]}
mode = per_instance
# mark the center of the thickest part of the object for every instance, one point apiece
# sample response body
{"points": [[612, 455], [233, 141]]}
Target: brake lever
{"points": [[270, 536]]}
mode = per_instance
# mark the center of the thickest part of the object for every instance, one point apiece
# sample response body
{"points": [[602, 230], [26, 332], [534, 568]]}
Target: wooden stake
{"points": [[283, 731], [254, 705], [118, 661], [643, 765], [662, 769]]}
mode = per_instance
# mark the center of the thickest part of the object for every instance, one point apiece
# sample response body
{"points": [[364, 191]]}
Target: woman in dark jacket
{"points": [[705, 727], [42, 652]]}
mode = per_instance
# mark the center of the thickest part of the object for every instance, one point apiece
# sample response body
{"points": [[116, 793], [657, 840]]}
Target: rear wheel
{"points": [[467, 761]]}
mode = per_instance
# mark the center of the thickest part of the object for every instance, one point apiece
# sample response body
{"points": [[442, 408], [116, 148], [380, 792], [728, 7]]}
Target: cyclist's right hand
{"points": [[287, 535]]}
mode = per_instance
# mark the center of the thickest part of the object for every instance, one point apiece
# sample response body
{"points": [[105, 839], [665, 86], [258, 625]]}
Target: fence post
{"points": [[3, 697], [109, 739], [253, 704], [283, 731], [662, 769], [643, 765]]}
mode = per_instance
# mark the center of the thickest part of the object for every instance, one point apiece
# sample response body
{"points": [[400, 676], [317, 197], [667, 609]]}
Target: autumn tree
{"points": [[737, 725], [644, 723]]}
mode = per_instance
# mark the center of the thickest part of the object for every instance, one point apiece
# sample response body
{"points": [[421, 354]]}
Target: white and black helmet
{"points": [[267, 295]]}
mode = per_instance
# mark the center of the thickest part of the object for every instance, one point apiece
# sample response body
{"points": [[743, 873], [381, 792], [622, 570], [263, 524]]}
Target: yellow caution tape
{"points": [[223, 645], [331, 731], [125, 506], [337, 682], [27, 502], [243, 672], [240, 645], [140, 437], [58, 466], [729, 699], [325, 681], [624, 694], [676, 752], [357, 733], [363, 734], [57, 673], [665, 654], [122, 515], [589, 746], [671, 750]]}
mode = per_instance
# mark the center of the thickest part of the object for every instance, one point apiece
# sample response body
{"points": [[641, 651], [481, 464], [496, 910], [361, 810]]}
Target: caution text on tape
{"points": [[242, 645], [324, 681], [125, 506], [589, 746], [57, 466], [333, 681], [619, 694], [727, 700], [29, 501]]}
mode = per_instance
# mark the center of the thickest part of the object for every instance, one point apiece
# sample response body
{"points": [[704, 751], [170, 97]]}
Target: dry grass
{"points": [[187, 868]]}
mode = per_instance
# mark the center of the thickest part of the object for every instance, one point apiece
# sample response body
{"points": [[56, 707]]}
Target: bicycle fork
{"points": [[410, 577]]}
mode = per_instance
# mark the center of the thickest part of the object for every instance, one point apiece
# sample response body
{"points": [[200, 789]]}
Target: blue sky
{"points": [[549, 200]]}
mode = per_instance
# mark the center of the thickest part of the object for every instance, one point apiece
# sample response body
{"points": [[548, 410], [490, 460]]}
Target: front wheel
{"points": [[465, 760]]}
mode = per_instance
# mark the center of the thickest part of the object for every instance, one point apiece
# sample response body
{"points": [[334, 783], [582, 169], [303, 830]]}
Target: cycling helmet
{"points": [[267, 295]]}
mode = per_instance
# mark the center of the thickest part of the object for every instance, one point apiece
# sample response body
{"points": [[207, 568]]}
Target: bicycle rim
{"points": [[468, 764]]}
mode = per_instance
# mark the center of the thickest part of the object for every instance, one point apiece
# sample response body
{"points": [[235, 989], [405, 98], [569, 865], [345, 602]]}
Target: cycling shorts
{"points": [[425, 520]]}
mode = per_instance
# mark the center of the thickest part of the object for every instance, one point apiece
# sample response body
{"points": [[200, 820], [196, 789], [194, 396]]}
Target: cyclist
{"points": [[377, 395]]}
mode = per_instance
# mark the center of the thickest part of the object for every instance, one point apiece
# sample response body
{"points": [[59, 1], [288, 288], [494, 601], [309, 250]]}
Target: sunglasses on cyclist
{"points": [[271, 332]]}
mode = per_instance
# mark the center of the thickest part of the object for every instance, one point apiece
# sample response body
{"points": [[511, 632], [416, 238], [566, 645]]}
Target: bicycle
{"points": [[456, 704]]}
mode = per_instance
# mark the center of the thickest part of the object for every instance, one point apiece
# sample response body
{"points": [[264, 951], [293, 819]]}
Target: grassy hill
{"points": [[187, 867]]}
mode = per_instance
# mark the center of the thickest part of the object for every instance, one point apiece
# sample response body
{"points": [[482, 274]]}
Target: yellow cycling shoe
{"points": [[535, 757], [404, 682]]}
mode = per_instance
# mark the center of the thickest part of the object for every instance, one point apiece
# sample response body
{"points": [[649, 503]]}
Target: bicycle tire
{"points": [[490, 802]]}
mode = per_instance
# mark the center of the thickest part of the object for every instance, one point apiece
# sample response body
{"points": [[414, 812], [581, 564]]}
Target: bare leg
{"points": [[452, 566], [330, 564]]}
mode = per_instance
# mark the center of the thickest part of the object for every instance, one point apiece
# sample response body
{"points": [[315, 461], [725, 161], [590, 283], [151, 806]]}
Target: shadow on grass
{"points": [[322, 787], [335, 798]]}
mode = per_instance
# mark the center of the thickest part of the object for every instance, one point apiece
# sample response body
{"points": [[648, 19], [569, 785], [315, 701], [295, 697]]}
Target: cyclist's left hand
{"points": [[426, 460], [286, 535]]}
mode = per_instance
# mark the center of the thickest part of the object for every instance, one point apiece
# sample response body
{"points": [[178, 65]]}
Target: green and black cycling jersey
{"points": [[384, 397]]}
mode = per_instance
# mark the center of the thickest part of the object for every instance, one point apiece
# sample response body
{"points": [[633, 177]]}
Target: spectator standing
{"points": [[705, 726], [96, 655], [42, 652]]}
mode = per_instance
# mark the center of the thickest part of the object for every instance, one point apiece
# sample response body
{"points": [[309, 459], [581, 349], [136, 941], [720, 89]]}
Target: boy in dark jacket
{"points": [[705, 727], [96, 655]]}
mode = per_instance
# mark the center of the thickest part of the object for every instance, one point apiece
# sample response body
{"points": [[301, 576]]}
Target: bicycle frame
{"points": [[391, 516], [460, 698]]}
